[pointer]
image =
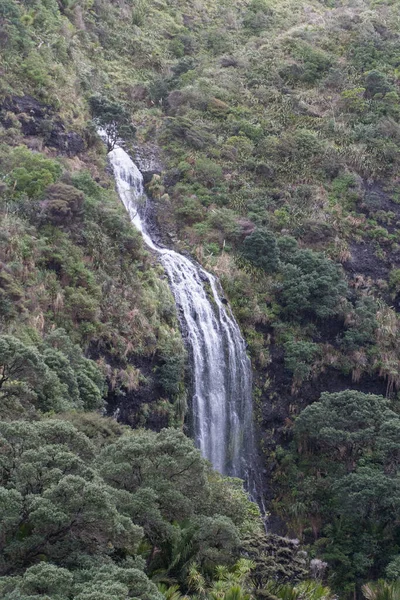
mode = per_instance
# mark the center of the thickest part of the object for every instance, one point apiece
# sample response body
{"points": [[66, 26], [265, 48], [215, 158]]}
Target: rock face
{"points": [[148, 159], [37, 119]]}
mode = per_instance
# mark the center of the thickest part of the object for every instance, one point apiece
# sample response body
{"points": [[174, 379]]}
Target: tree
{"points": [[299, 358], [18, 361], [46, 378], [112, 118], [261, 248], [173, 500], [53, 505], [343, 471], [73, 519], [311, 283]]}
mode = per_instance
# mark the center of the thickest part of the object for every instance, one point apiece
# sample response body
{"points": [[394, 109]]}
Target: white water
{"points": [[222, 387]]}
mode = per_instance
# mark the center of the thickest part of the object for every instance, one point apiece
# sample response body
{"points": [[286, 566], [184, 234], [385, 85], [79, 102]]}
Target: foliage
{"points": [[46, 377], [75, 520], [261, 248], [310, 282], [273, 116], [112, 118], [343, 479], [381, 590], [30, 173], [299, 357]]}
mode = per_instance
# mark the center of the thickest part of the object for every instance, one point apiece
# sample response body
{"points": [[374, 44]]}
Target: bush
{"points": [[173, 358], [362, 330], [299, 358], [63, 204], [311, 283], [376, 83], [31, 173], [261, 249], [207, 172]]}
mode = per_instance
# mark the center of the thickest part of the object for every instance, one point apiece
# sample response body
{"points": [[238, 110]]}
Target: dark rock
{"points": [[363, 260], [38, 119], [171, 177], [69, 143], [203, 277], [148, 176]]}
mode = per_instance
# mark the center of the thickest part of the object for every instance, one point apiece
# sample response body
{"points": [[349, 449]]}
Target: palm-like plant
{"points": [[229, 584], [171, 592], [306, 590], [382, 590]]}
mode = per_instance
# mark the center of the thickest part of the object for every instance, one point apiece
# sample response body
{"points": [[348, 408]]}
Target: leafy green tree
{"points": [[112, 118], [311, 283], [299, 358], [170, 484], [18, 361], [343, 471], [46, 378], [261, 248], [53, 505], [73, 519]]}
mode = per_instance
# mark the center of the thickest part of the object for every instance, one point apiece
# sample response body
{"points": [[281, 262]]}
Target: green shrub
{"points": [[80, 305], [173, 358], [207, 172], [362, 331], [311, 283], [63, 203], [31, 173], [299, 358], [261, 249]]}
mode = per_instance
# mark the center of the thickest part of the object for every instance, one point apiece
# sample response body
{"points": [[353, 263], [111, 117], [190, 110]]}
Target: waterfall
{"points": [[222, 386]]}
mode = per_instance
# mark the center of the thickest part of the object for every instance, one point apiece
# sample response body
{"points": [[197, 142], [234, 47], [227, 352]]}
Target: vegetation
{"points": [[278, 124], [341, 477], [82, 519]]}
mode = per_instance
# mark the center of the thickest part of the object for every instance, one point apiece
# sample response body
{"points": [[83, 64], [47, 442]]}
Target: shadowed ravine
{"points": [[222, 382]]}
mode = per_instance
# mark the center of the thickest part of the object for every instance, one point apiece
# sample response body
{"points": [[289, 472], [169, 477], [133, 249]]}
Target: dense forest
{"points": [[268, 133]]}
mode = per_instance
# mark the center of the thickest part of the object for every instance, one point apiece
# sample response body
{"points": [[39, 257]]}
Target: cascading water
{"points": [[222, 394]]}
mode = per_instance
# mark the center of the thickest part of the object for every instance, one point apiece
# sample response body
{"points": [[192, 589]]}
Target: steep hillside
{"points": [[268, 131]]}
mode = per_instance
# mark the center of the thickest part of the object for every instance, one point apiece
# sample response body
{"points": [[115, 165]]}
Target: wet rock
{"points": [[203, 276]]}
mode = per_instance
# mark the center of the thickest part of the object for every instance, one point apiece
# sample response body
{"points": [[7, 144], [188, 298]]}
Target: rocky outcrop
{"points": [[38, 119], [147, 156]]}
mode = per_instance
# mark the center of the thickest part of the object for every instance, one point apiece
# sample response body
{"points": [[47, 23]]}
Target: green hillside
{"points": [[273, 133]]}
